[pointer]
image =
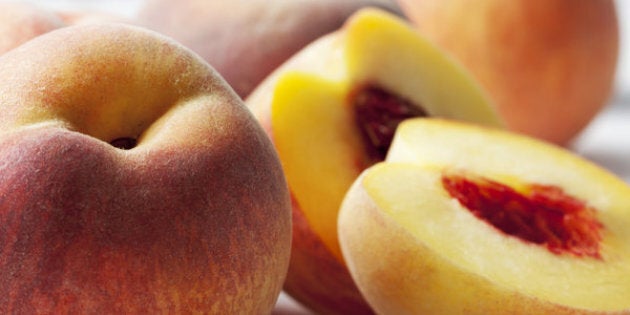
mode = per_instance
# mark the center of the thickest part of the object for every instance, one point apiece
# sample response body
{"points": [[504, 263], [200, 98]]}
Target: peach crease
{"points": [[543, 215]]}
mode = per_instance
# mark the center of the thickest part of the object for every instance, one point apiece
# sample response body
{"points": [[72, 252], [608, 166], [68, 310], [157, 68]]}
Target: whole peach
{"points": [[134, 181], [549, 65], [246, 39]]}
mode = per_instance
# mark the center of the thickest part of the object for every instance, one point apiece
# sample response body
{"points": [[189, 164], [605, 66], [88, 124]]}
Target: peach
{"points": [[549, 65], [134, 181], [465, 219], [245, 40], [331, 111], [23, 21]]}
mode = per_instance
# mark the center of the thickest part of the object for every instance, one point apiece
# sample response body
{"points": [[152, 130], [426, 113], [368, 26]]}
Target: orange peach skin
{"points": [[549, 65]]}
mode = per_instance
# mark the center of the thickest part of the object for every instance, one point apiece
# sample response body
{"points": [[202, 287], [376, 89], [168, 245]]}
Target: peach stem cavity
{"points": [[125, 143], [544, 215]]}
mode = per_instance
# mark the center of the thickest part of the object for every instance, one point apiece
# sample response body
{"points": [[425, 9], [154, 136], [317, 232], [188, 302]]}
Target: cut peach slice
{"points": [[332, 111], [463, 219]]}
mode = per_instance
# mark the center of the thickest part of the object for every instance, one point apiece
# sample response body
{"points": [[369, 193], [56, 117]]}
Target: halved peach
{"points": [[332, 111], [463, 219]]}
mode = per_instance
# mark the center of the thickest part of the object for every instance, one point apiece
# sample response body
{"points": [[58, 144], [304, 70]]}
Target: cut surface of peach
{"points": [[335, 107], [318, 145], [463, 219]]}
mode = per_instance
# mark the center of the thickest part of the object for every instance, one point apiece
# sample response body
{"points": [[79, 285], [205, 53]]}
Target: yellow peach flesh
{"points": [[402, 61], [470, 260], [321, 117]]}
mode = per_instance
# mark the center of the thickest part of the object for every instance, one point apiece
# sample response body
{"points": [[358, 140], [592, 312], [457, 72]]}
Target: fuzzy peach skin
{"points": [[245, 40], [134, 181], [549, 65], [330, 111], [416, 243]]}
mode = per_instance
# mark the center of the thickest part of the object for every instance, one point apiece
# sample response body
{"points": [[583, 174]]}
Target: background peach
{"points": [[246, 39], [23, 21], [549, 65]]}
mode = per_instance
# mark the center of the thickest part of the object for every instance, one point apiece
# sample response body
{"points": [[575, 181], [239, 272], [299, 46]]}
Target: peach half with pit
{"points": [[464, 219], [331, 111]]}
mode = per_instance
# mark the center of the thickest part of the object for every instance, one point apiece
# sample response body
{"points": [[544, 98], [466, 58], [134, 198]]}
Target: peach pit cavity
{"points": [[543, 215], [378, 113]]}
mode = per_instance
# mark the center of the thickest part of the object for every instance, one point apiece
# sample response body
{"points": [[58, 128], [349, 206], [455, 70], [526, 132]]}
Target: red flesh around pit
{"points": [[546, 215]]}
